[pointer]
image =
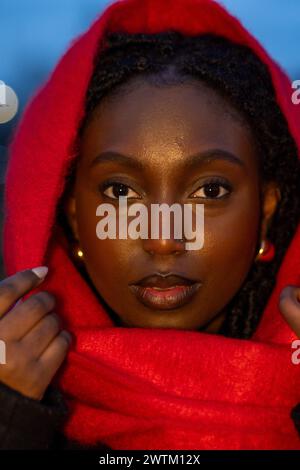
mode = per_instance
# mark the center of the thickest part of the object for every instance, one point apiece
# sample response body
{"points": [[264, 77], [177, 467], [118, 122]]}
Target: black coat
{"points": [[26, 423]]}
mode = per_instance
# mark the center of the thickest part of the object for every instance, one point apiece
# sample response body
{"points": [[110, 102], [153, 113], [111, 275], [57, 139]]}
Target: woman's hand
{"points": [[289, 305], [34, 343]]}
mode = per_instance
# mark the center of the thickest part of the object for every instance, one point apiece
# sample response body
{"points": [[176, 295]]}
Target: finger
{"points": [[24, 317], [54, 355], [289, 305], [43, 333], [17, 285]]}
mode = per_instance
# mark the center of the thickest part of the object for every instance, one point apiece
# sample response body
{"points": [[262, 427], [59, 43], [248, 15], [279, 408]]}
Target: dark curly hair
{"points": [[238, 75]]}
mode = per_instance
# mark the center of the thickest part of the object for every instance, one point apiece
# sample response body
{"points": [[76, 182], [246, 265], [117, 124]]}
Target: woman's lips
{"points": [[165, 292]]}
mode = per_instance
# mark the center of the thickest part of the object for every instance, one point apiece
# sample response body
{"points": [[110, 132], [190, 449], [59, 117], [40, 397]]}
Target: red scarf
{"points": [[135, 388]]}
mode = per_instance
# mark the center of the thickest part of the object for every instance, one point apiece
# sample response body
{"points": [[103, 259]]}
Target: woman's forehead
{"points": [[176, 120]]}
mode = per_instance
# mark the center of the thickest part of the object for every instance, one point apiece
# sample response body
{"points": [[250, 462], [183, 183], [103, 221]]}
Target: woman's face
{"points": [[177, 144]]}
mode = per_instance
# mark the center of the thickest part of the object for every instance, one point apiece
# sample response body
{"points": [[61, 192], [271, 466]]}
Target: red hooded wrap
{"points": [[135, 388]]}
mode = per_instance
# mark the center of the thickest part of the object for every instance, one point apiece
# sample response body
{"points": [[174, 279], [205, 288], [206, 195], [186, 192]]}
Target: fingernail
{"points": [[67, 335], [40, 271]]}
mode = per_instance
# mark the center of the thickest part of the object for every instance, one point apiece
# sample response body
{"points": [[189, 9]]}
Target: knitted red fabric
{"points": [[135, 388]]}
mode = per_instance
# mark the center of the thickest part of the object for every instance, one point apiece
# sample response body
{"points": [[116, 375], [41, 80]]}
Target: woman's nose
{"points": [[163, 246], [165, 232]]}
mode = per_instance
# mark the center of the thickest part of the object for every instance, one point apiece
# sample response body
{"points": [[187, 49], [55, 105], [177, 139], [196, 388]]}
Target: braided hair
{"points": [[237, 74]]}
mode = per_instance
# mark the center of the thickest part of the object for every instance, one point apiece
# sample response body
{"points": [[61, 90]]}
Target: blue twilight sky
{"points": [[34, 34]]}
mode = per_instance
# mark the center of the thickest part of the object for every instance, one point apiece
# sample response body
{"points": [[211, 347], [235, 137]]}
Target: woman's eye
{"points": [[115, 190], [213, 190]]}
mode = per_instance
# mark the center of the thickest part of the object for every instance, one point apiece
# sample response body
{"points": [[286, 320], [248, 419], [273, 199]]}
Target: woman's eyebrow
{"points": [[211, 155], [188, 162], [112, 156]]}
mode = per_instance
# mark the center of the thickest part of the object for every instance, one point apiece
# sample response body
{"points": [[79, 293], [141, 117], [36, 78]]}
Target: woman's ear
{"points": [[70, 211], [271, 196]]}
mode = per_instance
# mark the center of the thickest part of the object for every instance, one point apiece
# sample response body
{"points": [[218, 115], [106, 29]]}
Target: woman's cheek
{"points": [[230, 242], [109, 256]]}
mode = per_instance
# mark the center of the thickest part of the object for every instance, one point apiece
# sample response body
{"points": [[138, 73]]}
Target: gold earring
{"points": [[261, 249], [79, 253], [266, 252]]}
